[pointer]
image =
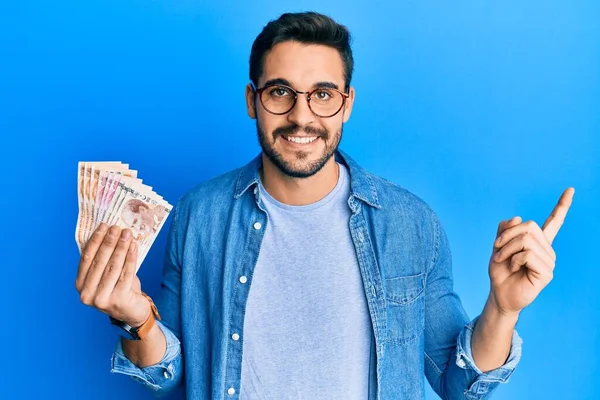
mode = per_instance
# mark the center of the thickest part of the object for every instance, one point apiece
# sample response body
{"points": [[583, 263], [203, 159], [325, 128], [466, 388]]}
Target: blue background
{"points": [[484, 110]]}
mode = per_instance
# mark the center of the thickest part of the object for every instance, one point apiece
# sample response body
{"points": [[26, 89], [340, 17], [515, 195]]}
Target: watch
{"points": [[137, 333]]}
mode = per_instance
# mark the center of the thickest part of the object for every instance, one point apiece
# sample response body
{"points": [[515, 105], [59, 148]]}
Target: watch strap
{"points": [[147, 326]]}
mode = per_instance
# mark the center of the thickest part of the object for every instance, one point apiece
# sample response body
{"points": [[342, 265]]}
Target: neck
{"points": [[299, 191]]}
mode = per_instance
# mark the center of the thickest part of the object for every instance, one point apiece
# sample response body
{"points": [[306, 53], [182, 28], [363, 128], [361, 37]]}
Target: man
{"points": [[303, 276]]}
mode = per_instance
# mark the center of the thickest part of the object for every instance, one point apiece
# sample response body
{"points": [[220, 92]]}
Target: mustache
{"points": [[295, 128]]}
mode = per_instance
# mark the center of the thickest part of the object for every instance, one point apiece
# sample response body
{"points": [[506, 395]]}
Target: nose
{"points": [[301, 113]]}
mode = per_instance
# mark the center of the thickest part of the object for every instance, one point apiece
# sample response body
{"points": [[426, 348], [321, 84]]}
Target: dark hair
{"points": [[305, 27]]}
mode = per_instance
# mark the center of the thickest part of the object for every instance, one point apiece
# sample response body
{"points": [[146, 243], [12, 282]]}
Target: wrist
{"points": [[143, 317], [134, 329], [494, 313]]}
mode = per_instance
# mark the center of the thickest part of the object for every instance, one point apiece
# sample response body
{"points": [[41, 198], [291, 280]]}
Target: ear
{"points": [[349, 104], [250, 104]]}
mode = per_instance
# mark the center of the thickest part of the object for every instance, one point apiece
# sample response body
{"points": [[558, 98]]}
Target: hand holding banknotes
{"points": [[106, 279], [119, 218]]}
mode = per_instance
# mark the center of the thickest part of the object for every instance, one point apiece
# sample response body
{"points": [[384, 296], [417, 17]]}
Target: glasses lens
{"points": [[278, 99], [326, 102]]}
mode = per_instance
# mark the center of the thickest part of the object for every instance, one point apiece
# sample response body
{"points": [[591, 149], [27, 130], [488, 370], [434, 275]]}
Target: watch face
{"points": [[124, 330]]}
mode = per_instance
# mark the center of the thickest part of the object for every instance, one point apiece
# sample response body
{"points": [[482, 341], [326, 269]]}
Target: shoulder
{"points": [[388, 197], [219, 190], [404, 225], [394, 198], [406, 215]]}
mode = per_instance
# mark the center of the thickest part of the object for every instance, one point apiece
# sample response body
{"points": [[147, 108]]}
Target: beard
{"points": [[299, 167]]}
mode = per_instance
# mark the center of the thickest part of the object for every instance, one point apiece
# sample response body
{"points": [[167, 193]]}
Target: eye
{"points": [[323, 94], [279, 91]]}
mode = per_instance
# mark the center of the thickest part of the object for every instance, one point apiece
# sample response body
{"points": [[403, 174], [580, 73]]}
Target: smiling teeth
{"points": [[301, 140]]}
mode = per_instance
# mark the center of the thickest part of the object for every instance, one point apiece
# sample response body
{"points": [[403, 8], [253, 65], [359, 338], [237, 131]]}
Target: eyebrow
{"points": [[282, 81]]}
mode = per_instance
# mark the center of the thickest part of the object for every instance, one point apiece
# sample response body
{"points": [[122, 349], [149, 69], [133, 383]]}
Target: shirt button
{"points": [[166, 375], [461, 363], [235, 337], [243, 279], [257, 225], [231, 391]]}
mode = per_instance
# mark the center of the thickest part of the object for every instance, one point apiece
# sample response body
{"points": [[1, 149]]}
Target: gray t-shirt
{"points": [[307, 331]]}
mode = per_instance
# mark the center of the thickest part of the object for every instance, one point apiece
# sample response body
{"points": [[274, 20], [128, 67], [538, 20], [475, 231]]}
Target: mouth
{"points": [[300, 140]]}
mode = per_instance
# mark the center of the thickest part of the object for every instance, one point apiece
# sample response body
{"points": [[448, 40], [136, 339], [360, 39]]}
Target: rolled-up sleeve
{"points": [[485, 381], [161, 377]]}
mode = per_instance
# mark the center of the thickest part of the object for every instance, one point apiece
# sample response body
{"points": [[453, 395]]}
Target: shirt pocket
{"points": [[404, 295]]}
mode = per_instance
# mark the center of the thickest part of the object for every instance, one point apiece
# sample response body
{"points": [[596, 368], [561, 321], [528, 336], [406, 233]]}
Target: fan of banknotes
{"points": [[110, 192]]}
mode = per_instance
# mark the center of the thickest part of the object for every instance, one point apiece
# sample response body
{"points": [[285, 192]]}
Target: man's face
{"points": [[304, 68], [140, 222]]}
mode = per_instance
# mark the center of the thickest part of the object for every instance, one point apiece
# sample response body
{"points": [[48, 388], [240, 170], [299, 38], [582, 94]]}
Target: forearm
{"points": [[492, 337], [148, 351]]}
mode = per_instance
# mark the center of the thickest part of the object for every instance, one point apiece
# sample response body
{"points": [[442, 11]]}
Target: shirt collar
{"points": [[361, 183]]}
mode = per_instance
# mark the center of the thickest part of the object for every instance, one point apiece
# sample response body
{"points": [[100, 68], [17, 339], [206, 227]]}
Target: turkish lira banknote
{"points": [[112, 193]]}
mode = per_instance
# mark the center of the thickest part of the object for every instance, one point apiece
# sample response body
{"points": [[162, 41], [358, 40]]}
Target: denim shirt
{"points": [[419, 326]]}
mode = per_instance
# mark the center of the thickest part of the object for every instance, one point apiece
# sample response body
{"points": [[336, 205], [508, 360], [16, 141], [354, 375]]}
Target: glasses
{"points": [[324, 102]]}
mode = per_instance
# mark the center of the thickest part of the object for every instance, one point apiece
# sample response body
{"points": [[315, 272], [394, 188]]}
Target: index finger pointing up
{"points": [[556, 219]]}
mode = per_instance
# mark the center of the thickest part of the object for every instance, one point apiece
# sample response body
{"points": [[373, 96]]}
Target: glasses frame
{"points": [[259, 92]]}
